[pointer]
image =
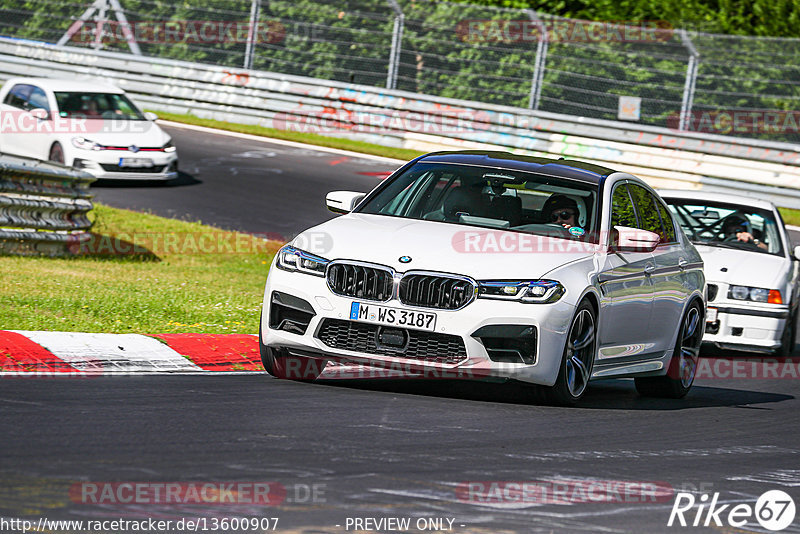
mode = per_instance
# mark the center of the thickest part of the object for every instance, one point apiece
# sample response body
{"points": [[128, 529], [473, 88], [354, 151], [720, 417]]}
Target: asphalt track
{"points": [[391, 449], [373, 449], [251, 186]]}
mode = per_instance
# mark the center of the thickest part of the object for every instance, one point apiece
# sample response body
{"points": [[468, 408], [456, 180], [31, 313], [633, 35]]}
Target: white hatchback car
{"points": [[89, 126], [751, 269], [489, 265]]}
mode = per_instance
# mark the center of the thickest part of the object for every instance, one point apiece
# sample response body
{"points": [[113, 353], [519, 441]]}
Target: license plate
{"points": [[711, 315], [372, 313], [135, 162]]}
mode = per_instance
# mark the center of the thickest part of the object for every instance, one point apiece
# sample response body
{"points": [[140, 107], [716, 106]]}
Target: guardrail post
{"points": [[250, 50], [397, 45], [691, 79], [537, 78]]}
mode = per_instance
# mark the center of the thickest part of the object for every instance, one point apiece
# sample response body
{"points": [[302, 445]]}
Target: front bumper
{"points": [[105, 165], [550, 320], [747, 328]]}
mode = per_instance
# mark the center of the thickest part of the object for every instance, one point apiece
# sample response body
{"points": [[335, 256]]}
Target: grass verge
{"points": [[790, 216], [299, 137], [187, 277]]}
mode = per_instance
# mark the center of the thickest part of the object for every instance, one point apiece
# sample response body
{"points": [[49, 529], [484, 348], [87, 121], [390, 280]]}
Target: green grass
{"points": [[299, 137], [790, 216], [176, 289]]}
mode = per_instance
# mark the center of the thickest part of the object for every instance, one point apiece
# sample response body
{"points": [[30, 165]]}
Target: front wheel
{"points": [[56, 153], [683, 365], [280, 365], [787, 339], [578, 360]]}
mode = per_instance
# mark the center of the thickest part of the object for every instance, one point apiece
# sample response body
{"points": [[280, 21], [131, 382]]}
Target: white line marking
{"points": [[283, 142]]}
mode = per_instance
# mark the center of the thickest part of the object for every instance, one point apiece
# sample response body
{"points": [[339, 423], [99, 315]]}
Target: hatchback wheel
{"points": [[683, 365], [56, 153]]}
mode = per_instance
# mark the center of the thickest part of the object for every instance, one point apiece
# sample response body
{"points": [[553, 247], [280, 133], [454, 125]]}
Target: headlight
{"points": [[169, 147], [86, 144], [531, 292], [755, 294], [294, 259]]}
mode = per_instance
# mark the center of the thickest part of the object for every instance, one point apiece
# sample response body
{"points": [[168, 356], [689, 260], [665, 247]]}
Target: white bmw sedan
{"points": [[89, 126], [489, 265], [750, 266]]}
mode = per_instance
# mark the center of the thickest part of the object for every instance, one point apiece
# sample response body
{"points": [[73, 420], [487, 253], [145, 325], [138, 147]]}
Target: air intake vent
{"points": [[360, 281], [436, 291], [712, 292]]}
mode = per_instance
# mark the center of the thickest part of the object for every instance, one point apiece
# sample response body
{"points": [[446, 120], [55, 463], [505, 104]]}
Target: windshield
{"points": [[490, 198], [97, 106], [728, 225]]}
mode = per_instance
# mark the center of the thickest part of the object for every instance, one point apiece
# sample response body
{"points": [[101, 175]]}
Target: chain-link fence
{"points": [[641, 71]]}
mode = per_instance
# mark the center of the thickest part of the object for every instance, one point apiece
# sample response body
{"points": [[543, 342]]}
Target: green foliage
{"points": [[449, 50]]}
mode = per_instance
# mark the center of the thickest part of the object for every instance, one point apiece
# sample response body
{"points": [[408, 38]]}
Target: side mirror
{"points": [[343, 201], [40, 113], [149, 115], [796, 255], [626, 239]]}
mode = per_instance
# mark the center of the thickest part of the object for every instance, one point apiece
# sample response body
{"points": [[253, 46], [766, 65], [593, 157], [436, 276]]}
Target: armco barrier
{"points": [[664, 157], [43, 207]]}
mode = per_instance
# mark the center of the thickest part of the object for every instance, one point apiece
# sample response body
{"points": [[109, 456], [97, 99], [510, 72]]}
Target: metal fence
{"points": [[43, 207], [642, 71]]}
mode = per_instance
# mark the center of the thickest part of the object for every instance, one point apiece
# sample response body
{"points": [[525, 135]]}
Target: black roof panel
{"points": [[564, 168]]}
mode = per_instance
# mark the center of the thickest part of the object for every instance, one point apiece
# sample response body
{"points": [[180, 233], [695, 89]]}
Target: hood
{"points": [[741, 267], [481, 253], [122, 133]]}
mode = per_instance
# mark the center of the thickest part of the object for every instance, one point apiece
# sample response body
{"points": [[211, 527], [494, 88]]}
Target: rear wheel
{"points": [[281, 365], [683, 365], [56, 153], [578, 359]]}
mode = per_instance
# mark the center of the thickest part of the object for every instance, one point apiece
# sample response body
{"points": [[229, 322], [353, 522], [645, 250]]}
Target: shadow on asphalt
{"points": [[183, 179], [617, 394]]}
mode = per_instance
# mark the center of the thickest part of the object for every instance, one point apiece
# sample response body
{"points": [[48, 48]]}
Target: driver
{"points": [[560, 209], [737, 228]]}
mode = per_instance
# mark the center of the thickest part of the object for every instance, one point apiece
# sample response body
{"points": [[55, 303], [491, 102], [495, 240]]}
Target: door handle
{"points": [[682, 263], [649, 268]]}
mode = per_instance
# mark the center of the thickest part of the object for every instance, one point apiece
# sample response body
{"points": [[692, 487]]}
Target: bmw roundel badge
{"points": [[405, 259]]}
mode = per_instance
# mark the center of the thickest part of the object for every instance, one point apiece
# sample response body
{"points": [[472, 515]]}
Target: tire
{"points": [[56, 153], [578, 359], [281, 365], [787, 339], [683, 365]]}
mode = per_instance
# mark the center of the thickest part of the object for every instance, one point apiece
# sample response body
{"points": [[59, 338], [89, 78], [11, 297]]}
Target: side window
{"points": [[649, 218], [38, 99], [18, 96], [669, 235], [622, 213]]}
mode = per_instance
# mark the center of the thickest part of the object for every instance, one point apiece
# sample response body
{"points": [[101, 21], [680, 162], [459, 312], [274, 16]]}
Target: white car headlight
{"points": [[531, 292], [169, 147], [296, 260], [755, 294], [86, 144]]}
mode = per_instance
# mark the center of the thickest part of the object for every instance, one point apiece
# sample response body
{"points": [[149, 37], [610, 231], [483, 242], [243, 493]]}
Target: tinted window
{"points": [[649, 218], [494, 198], [97, 106], [18, 96], [622, 213], [669, 235]]}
